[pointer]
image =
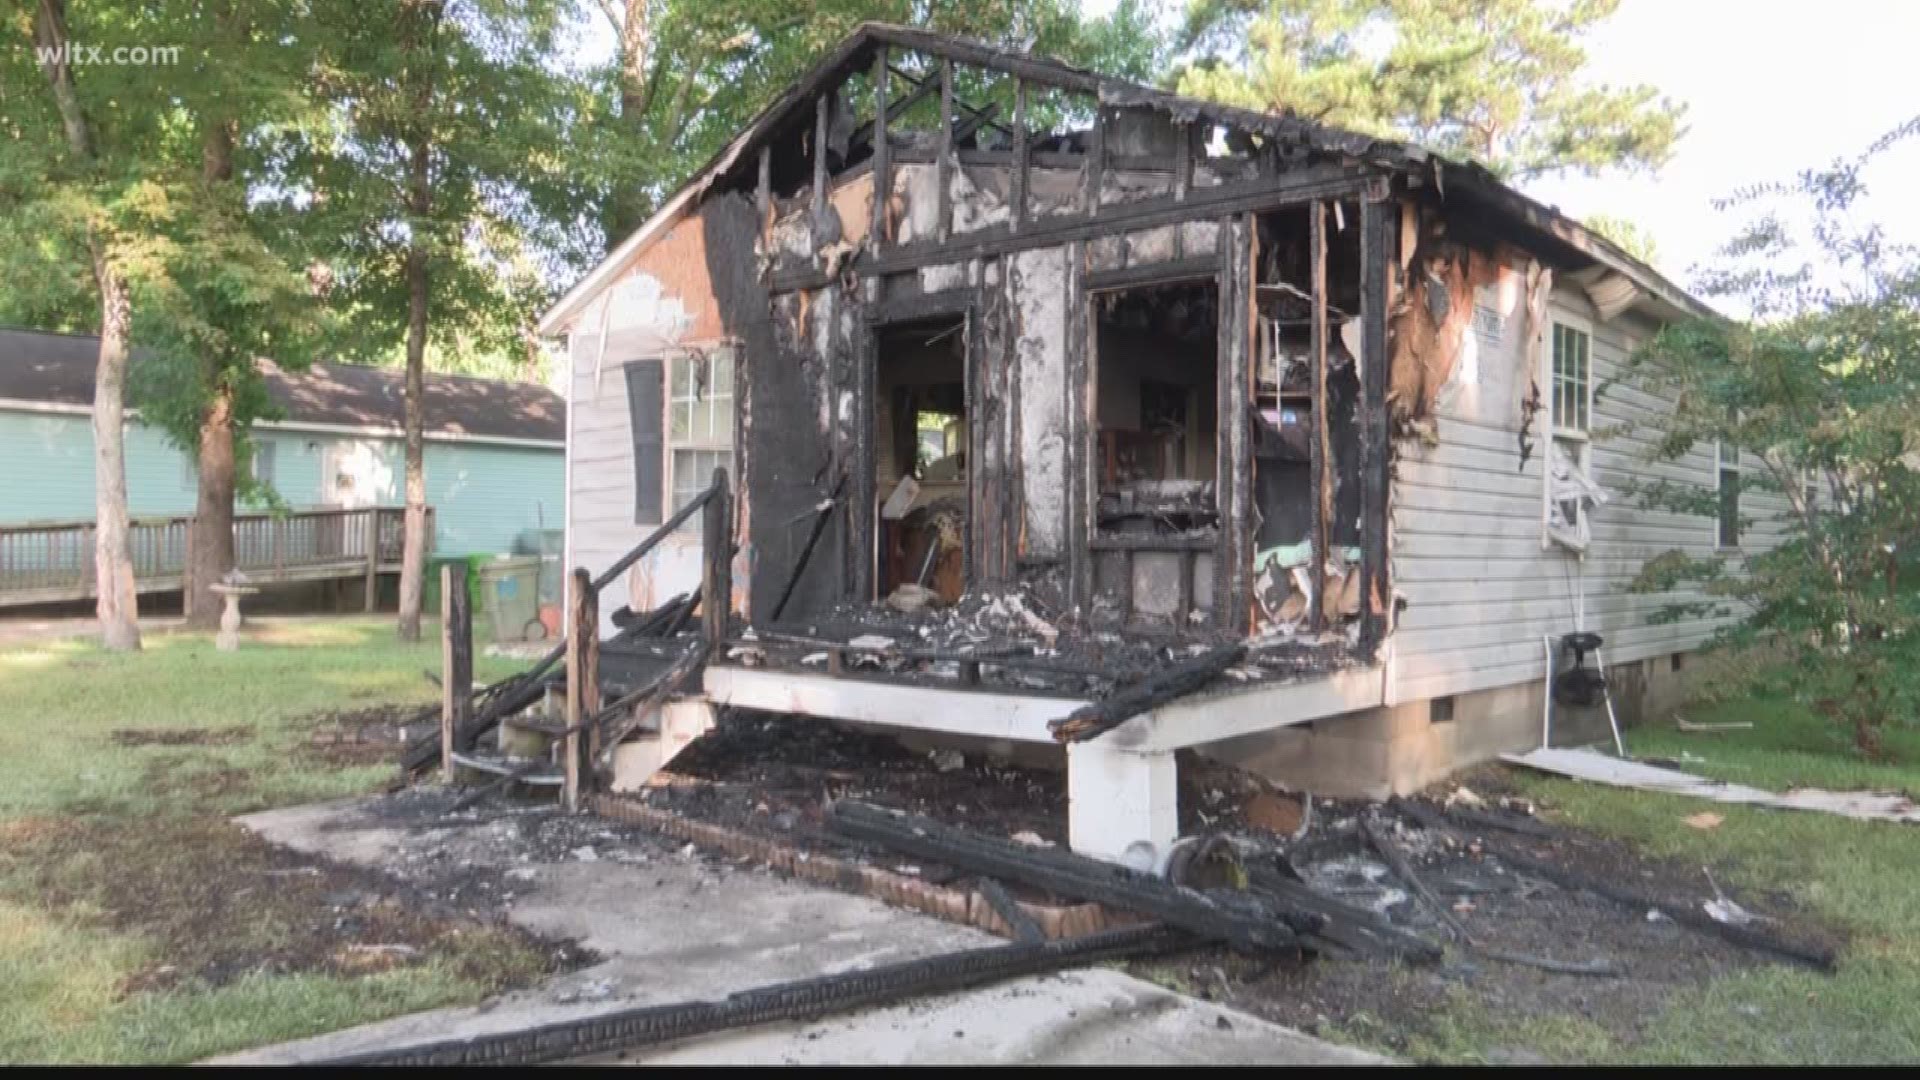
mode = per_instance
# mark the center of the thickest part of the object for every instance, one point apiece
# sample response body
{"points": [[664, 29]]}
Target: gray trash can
{"points": [[510, 597]]}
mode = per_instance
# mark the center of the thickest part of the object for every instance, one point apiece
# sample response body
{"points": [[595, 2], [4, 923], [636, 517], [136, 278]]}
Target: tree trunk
{"points": [[210, 536], [118, 601], [413, 556], [628, 204]]}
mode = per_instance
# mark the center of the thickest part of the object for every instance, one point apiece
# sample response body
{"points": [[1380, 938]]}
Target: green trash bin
{"points": [[430, 588], [510, 597]]}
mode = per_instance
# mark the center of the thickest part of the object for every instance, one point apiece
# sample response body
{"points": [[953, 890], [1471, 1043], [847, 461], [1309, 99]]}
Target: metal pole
{"points": [[1619, 746], [1546, 704]]}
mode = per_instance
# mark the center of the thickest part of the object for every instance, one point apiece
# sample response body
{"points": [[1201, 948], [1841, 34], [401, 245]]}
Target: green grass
{"points": [[68, 960], [1853, 876]]}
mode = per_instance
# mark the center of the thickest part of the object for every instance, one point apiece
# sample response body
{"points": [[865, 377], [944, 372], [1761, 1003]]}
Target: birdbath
{"points": [[228, 639]]}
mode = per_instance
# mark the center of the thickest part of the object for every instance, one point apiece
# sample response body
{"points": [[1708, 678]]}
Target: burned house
{"points": [[1035, 385]]}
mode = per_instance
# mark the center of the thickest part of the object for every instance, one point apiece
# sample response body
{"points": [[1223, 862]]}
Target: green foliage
{"points": [[1492, 81], [1634, 238], [1818, 394]]}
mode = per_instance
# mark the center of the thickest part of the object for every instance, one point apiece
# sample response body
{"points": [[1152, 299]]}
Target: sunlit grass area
{"points": [[1857, 877], [108, 843]]}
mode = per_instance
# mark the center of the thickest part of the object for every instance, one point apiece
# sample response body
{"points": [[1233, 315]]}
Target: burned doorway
{"points": [[1156, 448], [920, 461]]}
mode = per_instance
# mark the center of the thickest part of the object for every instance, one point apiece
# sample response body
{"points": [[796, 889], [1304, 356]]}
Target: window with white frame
{"points": [[699, 422], [1570, 492], [1727, 474]]}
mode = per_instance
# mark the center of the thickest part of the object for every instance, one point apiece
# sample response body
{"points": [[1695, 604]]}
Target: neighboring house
{"points": [[1201, 374], [494, 450]]}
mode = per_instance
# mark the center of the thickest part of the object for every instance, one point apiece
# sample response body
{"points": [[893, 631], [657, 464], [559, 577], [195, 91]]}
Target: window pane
{"points": [[679, 385], [723, 421], [678, 415], [1729, 508]]}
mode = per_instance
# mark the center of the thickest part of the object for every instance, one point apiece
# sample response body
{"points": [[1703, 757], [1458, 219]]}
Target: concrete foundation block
{"points": [[1117, 798]]}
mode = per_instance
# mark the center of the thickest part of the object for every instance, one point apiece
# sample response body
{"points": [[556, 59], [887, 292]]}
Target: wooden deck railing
{"points": [[54, 561]]}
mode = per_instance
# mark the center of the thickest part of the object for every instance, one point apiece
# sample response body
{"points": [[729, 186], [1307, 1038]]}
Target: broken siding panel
{"points": [[1037, 291]]}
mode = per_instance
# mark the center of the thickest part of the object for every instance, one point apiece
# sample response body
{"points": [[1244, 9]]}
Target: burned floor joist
{"points": [[804, 999], [1818, 957], [1169, 684], [1241, 919]]}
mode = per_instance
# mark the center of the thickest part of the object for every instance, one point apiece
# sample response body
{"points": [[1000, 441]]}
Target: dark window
{"points": [[645, 408], [1729, 497], [1678, 660], [1440, 709]]}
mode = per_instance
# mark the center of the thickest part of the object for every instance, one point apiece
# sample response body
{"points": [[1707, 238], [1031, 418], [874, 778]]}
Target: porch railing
{"points": [[54, 560]]}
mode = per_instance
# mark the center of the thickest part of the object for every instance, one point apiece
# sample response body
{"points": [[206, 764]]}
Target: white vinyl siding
{"points": [[1480, 589]]}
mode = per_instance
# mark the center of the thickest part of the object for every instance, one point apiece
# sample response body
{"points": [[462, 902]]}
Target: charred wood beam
{"points": [[817, 200], [1348, 926], [1080, 444], [1376, 254], [1021, 924], [944, 166], [1402, 869], [1301, 187], [716, 583], [877, 232], [1233, 572], [1095, 165], [1149, 542], [456, 664], [1320, 439], [1238, 919], [1183, 162], [1815, 956], [965, 129], [1158, 273], [763, 190], [583, 685], [874, 130], [983, 115], [1021, 150], [820, 518], [1006, 61], [1008, 658], [947, 302], [1063, 160], [624, 716], [1166, 685], [805, 999]]}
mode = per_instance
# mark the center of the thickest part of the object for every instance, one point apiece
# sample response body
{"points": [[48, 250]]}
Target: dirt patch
{"points": [[217, 903], [225, 736], [369, 736]]}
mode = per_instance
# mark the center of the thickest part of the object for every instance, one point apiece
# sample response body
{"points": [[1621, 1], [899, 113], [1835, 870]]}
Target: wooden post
{"points": [[583, 683], [716, 584], [944, 166], [1096, 162], [373, 555], [763, 191], [1320, 533], [456, 665], [1021, 150], [819, 198], [882, 155], [1376, 253]]}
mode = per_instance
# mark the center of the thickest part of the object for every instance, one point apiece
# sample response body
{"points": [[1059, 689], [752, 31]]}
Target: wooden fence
{"points": [[41, 563]]}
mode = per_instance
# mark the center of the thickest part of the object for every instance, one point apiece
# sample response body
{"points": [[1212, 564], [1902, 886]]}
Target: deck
{"points": [[51, 562]]}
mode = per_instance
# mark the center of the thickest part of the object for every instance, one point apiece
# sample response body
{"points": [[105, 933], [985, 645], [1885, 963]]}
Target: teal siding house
{"points": [[495, 451]]}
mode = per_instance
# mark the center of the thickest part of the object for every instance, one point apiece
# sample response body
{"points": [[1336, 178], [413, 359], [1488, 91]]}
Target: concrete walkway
{"points": [[672, 927]]}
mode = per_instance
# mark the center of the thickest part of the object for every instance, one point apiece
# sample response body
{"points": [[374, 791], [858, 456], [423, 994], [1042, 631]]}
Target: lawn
{"points": [[1858, 877], [137, 924]]}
